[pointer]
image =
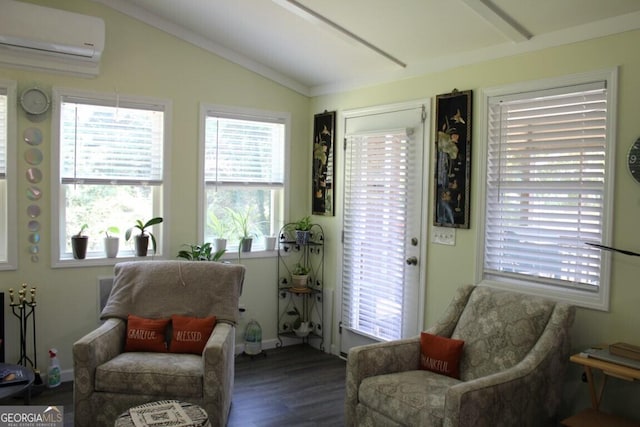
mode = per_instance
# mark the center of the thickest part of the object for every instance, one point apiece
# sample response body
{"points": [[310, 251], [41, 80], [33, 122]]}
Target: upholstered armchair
{"points": [[512, 367], [108, 380]]}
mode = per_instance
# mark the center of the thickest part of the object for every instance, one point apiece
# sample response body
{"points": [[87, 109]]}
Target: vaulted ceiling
{"points": [[323, 46]]}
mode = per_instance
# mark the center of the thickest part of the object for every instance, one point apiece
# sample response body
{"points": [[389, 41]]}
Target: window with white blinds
{"points": [[6, 186], [546, 187], [110, 143], [375, 211], [3, 133], [243, 172], [110, 151]]}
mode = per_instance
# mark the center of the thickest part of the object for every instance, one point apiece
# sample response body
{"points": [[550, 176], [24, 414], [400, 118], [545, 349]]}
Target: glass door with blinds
{"points": [[382, 286]]}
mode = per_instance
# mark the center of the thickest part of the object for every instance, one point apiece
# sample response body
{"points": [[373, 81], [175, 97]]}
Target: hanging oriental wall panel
{"points": [[453, 159], [323, 179]]}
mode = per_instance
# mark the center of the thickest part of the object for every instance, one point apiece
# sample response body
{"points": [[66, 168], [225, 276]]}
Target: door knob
{"points": [[412, 261]]}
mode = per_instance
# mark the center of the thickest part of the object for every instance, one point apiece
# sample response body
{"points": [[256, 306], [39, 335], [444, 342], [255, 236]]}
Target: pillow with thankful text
{"points": [[190, 334], [440, 354], [146, 334]]}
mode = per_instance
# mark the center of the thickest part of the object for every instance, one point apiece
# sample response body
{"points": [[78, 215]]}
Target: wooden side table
{"points": [[592, 416]]}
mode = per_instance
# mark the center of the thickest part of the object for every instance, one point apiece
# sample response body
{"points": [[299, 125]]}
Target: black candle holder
{"points": [[24, 308]]}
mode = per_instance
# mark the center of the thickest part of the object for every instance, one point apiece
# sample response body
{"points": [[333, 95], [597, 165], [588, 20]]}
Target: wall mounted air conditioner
{"points": [[46, 39]]}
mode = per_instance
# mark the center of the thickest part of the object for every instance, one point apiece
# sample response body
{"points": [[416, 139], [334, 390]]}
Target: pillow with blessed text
{"points": [[190, 334], [440, 354], [146, 334]]}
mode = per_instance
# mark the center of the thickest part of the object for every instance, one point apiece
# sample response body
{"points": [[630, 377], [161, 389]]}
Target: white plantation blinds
{"points": [[545, 185], [110, 144], [3, 133], [376, 189], [244, 151]]}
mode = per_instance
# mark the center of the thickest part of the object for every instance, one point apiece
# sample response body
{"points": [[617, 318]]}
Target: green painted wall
{"points": [[444, 274], [141, 60]]}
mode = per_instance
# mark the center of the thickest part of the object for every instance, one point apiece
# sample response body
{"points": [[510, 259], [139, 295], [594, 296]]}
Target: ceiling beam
{"points": [[301, 10], [499, 19]]}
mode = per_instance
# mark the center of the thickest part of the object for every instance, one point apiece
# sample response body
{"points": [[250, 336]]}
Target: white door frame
{"points": [[426, 165]]}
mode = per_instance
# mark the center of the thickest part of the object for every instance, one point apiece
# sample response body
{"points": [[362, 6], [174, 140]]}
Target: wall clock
{"points": [[34, 101], [633, 160]]}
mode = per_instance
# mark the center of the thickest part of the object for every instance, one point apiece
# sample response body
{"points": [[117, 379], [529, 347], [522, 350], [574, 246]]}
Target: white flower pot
{"points": [[220, 244], [111, 245], [303, 330], [269, 243]]}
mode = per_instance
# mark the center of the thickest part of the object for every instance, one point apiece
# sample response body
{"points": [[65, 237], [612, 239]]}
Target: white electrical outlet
{"points": [[443, 236]]}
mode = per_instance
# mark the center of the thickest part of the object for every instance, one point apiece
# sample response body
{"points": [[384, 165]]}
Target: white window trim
{"points": [[11, 176], [595, 300], [57, 93], [252, 114]]}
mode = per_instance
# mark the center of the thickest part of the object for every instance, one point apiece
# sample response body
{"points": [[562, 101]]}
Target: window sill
{"points": [[98, 262], [577, 297], [231, 256]]}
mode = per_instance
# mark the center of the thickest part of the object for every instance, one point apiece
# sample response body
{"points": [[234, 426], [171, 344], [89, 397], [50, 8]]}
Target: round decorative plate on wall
{"points": [[633, 160], [34, 101]]}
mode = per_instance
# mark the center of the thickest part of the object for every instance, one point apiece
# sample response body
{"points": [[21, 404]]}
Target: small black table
{"points": [[9, 390]]}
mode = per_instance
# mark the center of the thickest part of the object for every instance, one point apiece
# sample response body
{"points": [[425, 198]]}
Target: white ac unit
{"points": [[46, 39]]}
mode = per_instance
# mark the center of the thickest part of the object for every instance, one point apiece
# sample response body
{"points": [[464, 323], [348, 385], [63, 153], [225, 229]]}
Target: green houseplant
{"points": [[302, 229], [303, 224], [111, 241], [243, 227], [142, 239], [203, 252], [79, 243], [300, 276], [220, 229]]}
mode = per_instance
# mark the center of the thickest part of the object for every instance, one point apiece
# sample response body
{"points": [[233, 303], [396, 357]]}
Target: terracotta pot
{"points": [[299, 280]]}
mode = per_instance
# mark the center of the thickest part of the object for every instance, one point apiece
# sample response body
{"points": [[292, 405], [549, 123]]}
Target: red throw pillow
{"points": [[190, 334], [146, 334], [440, 354]]}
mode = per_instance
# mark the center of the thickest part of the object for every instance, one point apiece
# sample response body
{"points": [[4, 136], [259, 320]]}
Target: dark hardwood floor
{"points": [[295, 385]]}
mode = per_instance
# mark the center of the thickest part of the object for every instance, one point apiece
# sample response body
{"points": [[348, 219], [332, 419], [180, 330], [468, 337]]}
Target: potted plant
{"points": [[220, 230], [303, 230], [142, 239], [79, 243], [243, 227], [203, 252], [300, 327], [270, 243], [111, 241], [300, 276]]}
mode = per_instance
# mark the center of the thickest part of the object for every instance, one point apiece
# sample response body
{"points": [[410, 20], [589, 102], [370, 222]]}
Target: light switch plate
{"points": [[443, 236]]}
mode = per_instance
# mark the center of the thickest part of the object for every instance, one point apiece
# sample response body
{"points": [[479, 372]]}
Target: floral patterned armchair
{"points": [[511, 370], [109, 380]]}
